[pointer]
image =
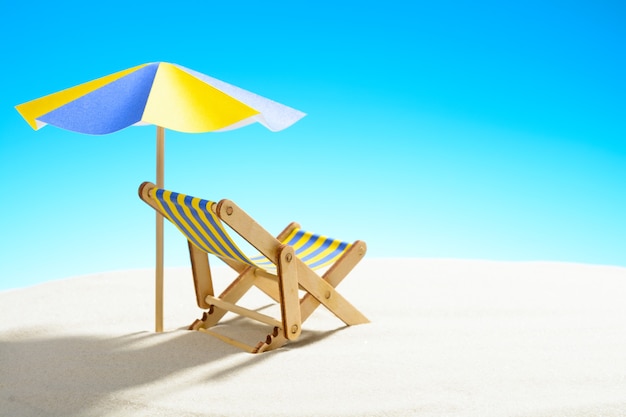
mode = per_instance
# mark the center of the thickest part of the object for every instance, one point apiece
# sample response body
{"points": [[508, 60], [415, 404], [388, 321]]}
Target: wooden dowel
{"points": [[243, 311]]}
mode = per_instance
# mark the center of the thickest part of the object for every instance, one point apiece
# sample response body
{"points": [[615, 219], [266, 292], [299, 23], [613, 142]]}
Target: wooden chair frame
{"points": [[292, 275]]}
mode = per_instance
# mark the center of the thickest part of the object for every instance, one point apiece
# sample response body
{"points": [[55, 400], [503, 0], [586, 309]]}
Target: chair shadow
{"points": [[70, 375], [308, 337]]}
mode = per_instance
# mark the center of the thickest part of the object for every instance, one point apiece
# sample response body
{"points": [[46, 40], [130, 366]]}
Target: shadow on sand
{"points": [[71, 375]]}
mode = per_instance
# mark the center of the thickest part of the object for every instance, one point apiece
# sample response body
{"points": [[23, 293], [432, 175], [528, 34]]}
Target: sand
{"points": [[447, 338]]}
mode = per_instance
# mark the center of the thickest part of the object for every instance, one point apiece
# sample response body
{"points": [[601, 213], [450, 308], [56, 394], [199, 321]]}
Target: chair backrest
{"points": [[195, 219]]}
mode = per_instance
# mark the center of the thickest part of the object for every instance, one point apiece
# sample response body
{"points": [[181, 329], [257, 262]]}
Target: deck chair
{"points": [[285, 266]]}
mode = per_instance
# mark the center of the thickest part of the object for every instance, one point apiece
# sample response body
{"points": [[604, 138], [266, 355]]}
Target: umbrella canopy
{"points": [[162, 94]]}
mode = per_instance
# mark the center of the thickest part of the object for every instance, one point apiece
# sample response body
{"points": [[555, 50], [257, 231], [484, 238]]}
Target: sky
{"points": [[452, 129]]}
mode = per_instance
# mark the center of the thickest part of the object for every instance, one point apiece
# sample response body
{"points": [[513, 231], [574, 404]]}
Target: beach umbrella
{"points": [[166, 95]]}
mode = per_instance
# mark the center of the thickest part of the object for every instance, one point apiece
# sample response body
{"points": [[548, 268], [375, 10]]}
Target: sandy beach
{"points": [[446, 338]]}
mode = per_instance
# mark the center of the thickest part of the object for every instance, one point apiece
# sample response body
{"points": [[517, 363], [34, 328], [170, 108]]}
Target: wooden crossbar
{"points": [[255, 315]]}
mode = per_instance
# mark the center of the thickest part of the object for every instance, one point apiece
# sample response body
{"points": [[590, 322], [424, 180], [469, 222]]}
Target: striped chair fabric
{"points": [[195, 219]]}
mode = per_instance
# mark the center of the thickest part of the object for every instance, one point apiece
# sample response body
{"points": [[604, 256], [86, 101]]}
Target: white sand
{"points": [[447, 338]]}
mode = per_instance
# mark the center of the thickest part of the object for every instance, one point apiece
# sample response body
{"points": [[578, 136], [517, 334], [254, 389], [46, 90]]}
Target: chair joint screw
{"points": [[294, 329], [327, 295], [288, 257], [229, 210]]}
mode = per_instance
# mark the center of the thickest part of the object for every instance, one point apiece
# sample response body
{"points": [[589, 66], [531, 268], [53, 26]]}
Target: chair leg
{"points": [[289, 297], [238, 287], [201, 272], [334, 276], [309, 303], [292, 275], [269, 286]]}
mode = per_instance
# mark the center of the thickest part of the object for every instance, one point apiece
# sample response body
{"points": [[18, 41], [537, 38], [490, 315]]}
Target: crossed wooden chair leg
{"points": [[292, 275]]}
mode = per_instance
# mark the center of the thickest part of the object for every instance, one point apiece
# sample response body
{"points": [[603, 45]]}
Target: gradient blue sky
{"points": [[450, 129]]}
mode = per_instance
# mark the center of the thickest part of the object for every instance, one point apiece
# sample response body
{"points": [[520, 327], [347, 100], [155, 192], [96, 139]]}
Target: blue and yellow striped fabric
{"points": [[314, 250], [194, 218]]}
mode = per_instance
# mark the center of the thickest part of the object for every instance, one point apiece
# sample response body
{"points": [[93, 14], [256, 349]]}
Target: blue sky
{"points": [[458, 129]]}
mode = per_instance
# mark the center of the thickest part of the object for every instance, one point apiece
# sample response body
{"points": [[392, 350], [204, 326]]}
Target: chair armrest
{"points": [[249, 229]]}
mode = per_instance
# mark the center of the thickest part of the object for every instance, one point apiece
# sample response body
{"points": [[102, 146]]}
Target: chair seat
{"points": [[316, 251]]}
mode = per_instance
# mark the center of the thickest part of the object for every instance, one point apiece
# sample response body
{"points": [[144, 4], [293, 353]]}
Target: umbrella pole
{"points": [[158, 318]]}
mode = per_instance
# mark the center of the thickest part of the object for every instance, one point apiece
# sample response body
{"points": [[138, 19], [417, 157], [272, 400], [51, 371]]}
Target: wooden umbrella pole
{"points": [[158, 318]]}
